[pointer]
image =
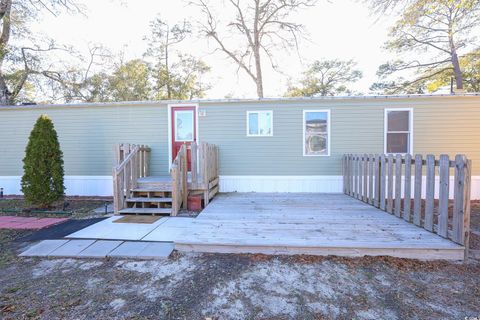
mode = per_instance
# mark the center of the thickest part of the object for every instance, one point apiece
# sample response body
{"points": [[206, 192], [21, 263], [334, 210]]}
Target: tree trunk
{"points": [[258, 70], [457, 72], [259, 80], [5, 96], [5, 9]]}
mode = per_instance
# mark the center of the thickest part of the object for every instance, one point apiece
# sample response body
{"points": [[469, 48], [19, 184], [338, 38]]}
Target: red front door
{"points": [[184, 130]]}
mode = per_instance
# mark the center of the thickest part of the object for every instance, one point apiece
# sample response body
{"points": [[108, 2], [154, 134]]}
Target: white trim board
{"points": [[75, 185]]}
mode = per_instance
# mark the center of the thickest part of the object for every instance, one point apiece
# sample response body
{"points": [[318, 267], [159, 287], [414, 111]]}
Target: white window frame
{"points": [[410, 127], [258, 112], [329, 146]]}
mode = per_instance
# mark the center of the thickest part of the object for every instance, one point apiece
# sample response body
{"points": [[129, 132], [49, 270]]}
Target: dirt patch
{"points": [[228, 286]]}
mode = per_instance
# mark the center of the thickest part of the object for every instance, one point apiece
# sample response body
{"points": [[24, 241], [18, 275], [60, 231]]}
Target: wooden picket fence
{"points": [[389, 183]]}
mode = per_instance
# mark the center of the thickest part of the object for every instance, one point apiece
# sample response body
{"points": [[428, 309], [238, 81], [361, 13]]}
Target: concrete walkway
{"points": [[100, 249]]}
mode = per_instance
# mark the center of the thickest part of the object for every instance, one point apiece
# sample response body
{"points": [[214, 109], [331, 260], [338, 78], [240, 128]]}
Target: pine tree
{"points": [[42, 181]]}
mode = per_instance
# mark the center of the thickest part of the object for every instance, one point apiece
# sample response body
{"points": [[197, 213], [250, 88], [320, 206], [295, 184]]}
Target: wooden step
{"points": [[144, 199], [163, 183], [152, 189], [162, 211]]}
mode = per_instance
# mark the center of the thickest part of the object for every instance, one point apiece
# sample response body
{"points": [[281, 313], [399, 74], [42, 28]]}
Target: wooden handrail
{"points": [[132, 163], [377, 180]]}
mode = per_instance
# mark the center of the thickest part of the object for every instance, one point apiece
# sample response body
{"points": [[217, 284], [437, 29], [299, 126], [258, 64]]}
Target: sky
{"points": [[341, 29]]}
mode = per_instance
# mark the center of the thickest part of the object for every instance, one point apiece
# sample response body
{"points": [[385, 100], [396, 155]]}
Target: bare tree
{"points": [[18, 63], [436, 31], [263, 26]]}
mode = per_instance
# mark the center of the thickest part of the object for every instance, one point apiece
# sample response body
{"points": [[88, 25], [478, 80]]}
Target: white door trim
{"points": [[169, 143]]}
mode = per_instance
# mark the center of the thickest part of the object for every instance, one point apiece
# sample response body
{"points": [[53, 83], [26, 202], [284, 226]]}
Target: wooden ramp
{"points": [[319, 224]]}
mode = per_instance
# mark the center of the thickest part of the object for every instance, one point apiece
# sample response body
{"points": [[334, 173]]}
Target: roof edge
{"points": [[199, 101]]}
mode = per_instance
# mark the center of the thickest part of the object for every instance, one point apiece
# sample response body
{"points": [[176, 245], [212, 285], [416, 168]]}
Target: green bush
{"points": [[42, 181]]}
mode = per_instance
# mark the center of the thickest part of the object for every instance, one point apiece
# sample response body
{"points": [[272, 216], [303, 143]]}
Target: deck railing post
{"points": [[184, 176]]}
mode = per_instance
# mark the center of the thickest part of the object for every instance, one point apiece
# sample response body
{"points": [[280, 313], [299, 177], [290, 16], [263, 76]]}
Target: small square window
{"points": [[398, 131], [259, 123]]}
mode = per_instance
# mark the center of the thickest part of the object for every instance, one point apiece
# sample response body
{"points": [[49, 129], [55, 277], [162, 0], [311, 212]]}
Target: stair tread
{"points": [[144, 199], [152, 189], [146, 210]]}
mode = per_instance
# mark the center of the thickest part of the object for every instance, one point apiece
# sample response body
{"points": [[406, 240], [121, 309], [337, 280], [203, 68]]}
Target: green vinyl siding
{"points": [[87, 136], [88, 133]]}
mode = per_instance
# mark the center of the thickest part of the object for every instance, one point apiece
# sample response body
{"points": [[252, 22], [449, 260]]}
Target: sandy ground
{"points": [[199, 286]]}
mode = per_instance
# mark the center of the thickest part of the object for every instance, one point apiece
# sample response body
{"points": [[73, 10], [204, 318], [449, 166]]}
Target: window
{"points": [[316, 132], [398, 131], [259, 123]]}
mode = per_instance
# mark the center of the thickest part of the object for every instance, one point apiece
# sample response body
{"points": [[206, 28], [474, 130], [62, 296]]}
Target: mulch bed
{"points": [[77, 207]]}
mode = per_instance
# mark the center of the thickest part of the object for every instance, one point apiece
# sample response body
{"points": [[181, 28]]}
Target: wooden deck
{"points": [[320, 224]]}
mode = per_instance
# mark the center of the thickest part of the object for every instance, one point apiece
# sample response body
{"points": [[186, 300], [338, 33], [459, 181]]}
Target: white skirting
{"points": [[75, 185], [102, 185], [327, 184]]}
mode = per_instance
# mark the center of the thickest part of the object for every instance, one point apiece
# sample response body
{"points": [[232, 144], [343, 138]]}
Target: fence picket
{"points": [[360, 177], [458, 205], [370, 178], [417, 198], [383, 182], [390, 184], [443, 195], [365, 178], [376, 201], [398, 185], [407, 192], [430, 192]]}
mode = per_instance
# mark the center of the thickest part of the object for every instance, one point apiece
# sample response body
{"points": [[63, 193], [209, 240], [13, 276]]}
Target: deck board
{"points": [[308, 223]]}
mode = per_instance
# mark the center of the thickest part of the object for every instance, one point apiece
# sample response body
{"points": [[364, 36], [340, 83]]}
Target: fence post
{"points": [[458, 234], [467, 194]]}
